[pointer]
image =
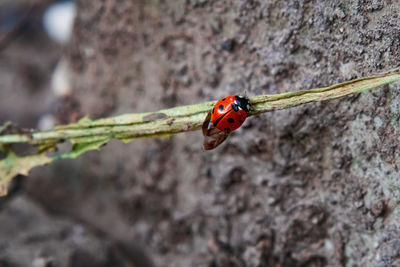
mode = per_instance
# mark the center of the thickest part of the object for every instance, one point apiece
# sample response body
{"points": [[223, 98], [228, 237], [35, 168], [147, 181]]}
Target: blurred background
{"points": [[316, 185]]}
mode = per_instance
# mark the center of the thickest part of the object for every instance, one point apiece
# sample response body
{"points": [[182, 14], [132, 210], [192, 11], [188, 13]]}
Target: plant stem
{"points": [[186, 118], [86, 135]]}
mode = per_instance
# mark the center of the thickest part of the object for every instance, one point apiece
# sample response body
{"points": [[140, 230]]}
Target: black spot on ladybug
{"points": [[223, 99], [240, 121], [230, 120], [221, 107]]}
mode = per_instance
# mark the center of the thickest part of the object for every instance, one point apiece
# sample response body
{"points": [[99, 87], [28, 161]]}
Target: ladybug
{"points": [[227, 115]]}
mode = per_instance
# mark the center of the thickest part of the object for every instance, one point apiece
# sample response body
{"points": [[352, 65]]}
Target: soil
{"points": [[315, 185]]}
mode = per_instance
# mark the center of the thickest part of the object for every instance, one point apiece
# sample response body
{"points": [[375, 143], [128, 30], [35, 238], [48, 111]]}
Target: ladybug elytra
{"points": [[227, 115], [230, 112]]}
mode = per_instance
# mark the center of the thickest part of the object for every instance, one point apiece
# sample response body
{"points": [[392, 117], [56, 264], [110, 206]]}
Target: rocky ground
{"points": [[317, 185]]}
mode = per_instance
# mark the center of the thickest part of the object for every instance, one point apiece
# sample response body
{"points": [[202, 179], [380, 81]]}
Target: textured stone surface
{"points": [[316, 185]]}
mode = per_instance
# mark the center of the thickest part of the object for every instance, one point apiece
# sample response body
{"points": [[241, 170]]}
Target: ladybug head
{"points": [[243, 102]]}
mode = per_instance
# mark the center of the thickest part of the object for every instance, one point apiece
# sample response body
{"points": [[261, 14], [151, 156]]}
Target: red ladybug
{"points": [[228, 114]]}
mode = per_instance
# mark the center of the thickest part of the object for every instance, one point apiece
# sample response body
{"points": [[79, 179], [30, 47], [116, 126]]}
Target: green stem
{"points": [[87, 135], [187, 118]]}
